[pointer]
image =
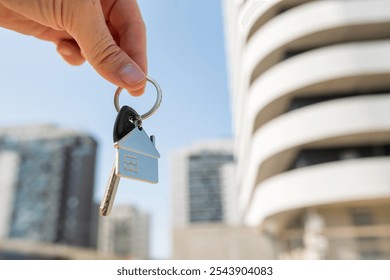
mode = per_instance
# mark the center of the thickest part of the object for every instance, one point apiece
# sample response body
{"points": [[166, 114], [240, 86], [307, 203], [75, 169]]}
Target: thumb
{"points": [[102, 52]]}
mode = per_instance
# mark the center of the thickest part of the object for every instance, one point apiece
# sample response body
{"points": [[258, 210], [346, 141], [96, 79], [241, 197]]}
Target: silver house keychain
{"points": [[136, 153]]}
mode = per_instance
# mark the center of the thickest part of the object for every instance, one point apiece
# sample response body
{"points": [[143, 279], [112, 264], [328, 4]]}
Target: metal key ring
{"points": [[155, 106]]}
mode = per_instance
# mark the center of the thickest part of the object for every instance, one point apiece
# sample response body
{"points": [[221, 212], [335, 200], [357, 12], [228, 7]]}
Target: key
{"points": [[109, 195], [123, 125], [136, 155]]}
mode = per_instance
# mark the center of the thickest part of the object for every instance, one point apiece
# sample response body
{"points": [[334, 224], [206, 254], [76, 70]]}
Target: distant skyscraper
{"points": [[46, 182], [206, 224], [198, 193], [125, 233]]}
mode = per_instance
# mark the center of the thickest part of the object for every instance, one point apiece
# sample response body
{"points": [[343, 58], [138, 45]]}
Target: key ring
{"points": [[155, 106]]}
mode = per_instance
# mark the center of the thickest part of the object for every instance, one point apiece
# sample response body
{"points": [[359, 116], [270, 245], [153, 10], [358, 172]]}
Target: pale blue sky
{"points": [[186, 56]]}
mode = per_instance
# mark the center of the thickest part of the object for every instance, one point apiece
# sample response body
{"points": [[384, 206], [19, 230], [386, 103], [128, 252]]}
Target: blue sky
{"points": [[186, 56]]}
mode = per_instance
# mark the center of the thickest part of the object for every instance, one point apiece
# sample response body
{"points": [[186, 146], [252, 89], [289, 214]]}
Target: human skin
{"points": [[109, 34]]}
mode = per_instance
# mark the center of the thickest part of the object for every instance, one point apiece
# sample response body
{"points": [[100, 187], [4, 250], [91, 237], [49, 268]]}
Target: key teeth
{"points": [[109, 195], [104, 211]]}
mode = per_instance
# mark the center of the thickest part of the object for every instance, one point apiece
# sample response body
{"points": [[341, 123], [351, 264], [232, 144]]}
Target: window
{"points": [[308, 157], [362, 217]]}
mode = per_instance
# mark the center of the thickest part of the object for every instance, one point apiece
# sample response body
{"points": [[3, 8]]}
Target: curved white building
{"points": [[310, 84]]}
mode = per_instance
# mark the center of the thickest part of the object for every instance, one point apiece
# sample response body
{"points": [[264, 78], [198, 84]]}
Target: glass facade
{"points": [[53, 193], [205, 186]]}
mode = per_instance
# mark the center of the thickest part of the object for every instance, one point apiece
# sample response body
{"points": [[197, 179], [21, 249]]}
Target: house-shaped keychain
{"points": [[137, 156]]}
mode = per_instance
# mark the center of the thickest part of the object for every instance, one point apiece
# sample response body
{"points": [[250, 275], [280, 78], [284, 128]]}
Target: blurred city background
{"points": [[274, 135]]}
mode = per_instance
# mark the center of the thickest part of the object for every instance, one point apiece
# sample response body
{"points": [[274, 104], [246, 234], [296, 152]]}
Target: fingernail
{"points": [[131, 75], [65, 51]]}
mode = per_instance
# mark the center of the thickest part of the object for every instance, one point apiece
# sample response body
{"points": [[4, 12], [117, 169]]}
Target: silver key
{"points": [[136, 154], [109, 196]]}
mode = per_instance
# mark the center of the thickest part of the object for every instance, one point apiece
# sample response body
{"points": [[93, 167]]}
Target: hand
{"points": [[110, 34]]}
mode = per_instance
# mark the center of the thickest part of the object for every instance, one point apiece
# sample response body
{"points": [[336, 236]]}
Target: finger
{"points": [[139, 56], [52, 35], [126, 19], [138, 92], [70, 52], [100, 49], [19, 23]]}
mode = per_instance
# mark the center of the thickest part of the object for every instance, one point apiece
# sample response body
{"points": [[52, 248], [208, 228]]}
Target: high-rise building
{"points": [[206, 224], [125, 233], [310, 90], [47, 182], [198, 193]]}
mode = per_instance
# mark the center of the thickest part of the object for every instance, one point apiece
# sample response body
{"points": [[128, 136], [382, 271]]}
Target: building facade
{"points": [[47, 178], [310, 90], [197, 186], [125, 233], [206, 224]]}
